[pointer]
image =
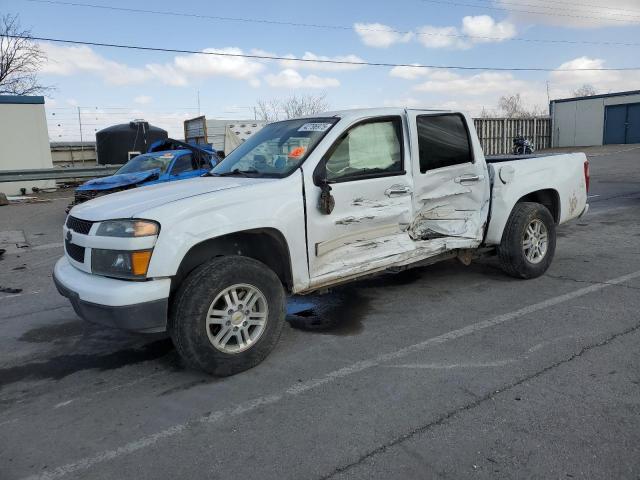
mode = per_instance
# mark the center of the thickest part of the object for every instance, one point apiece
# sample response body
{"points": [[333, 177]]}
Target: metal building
{"points": [[24, 140], [611, 118]]}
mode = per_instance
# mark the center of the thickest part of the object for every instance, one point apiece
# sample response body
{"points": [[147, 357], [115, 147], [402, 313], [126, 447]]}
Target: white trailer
{"points": [[224, 135]]}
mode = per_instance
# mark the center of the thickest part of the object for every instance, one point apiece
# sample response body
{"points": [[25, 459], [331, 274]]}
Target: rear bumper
{"points": [[108, 301]]}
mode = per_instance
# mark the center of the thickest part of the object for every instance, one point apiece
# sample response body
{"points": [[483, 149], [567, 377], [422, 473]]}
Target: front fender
{"points": [[275, 204]]}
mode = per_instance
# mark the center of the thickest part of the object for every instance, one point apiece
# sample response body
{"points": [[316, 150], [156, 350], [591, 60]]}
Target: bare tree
{"points": [[486, 113], [512, 106], [20, 59], [586, 90], [291, 107]]}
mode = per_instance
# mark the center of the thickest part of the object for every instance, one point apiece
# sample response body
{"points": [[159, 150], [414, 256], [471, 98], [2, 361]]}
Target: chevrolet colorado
{"points": [[302, 205]]}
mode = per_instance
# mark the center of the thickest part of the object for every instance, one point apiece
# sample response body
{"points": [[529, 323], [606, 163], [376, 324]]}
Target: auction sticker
{"points": [[315, 127]]}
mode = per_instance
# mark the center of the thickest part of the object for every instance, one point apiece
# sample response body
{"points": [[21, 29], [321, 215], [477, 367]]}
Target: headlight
{"points": [[120, 263], [128, 228]]}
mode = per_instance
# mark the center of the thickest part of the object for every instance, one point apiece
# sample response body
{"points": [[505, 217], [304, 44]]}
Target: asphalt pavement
{"points": [[445, 371]]}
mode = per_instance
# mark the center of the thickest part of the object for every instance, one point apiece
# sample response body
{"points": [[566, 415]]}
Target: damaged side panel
{"points": [[447, 206]]}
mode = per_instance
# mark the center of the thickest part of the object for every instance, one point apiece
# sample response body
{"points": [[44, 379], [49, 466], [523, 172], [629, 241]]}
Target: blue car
{"points": [[167, 161]]}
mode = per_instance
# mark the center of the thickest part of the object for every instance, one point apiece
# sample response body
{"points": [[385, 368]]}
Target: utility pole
{"points": [[81, 144], [548, 97], [198, 102]]}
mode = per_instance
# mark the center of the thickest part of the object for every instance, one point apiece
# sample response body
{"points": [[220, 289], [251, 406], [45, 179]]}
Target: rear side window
{"points": [[443, 140]]}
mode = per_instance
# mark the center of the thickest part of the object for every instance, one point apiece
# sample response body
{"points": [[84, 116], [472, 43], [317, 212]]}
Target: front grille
{"points": [[78, 225], [74, 251], [84, 195]]}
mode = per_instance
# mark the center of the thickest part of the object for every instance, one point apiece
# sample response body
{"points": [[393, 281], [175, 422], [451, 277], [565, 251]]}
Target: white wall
{"points": [[24, 142]]}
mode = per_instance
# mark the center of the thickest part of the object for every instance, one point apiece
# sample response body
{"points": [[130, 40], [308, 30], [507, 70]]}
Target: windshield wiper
{"points": [[243, 173]]}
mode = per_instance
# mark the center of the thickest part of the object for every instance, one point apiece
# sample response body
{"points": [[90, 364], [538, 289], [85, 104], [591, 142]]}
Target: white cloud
{"points": [[478, 29], [76, 59], [167, 74], [613, 13], [406, 102], [484, 26], [289, 78], [82, 59], [410, 73], [213, 65], [380, 35], [478, 84], [329, 67], [441, 37], [564, 82], [143, 99]]}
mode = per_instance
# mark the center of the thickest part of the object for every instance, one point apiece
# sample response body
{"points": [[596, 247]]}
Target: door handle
{"points": [[467, 179], [397, 190]]}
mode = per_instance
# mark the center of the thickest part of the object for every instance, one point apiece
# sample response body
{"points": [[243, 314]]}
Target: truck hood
{"points": [[118, 181], [131, 203]]}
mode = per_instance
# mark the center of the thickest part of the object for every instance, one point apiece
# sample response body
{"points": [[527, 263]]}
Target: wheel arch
{"points": [[503, 206], [548, 197], [267, 245]]}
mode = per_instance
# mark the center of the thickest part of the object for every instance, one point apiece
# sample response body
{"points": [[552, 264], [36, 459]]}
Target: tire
{"points": [[520, 150], [517, 260], [200, 299]]}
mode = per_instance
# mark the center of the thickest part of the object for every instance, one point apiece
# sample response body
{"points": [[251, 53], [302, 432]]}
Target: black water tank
{"points": [[114, 144]]}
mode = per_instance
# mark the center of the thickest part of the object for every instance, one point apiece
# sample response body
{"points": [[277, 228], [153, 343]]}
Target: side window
{"points": [[368, 149], [443, 140], [182, 164]]}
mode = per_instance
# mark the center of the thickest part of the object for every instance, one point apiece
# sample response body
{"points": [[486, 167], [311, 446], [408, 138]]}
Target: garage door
{"points": [[622, 124]]}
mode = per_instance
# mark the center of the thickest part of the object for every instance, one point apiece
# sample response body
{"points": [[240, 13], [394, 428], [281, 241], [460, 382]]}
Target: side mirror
{"points": [[327, 203]]}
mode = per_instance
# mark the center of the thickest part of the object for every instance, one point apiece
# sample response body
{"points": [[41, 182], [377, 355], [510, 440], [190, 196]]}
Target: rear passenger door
{"points": [[451, 191]]}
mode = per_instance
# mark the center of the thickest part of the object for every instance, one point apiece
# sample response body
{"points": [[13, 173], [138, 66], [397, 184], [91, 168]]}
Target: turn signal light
{"points": [[140, 262]]}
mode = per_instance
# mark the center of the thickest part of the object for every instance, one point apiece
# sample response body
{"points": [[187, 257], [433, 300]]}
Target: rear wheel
{"points": [[528, 241], [228, 315]]}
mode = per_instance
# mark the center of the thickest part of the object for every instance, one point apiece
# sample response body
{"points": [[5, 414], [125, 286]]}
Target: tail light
{"points": [[587, 176]]}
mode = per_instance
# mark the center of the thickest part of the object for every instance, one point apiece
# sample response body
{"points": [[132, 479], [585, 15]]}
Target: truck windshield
{"points": [[276, 150], [147, 161]]}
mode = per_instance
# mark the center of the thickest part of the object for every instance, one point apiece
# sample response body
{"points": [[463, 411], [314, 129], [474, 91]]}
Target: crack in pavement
{"points": [[590, 282], [489, 396]]}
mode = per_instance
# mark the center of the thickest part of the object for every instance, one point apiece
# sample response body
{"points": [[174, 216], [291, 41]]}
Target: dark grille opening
{"points": [[74, 251], [80, 226], [83, 196]]}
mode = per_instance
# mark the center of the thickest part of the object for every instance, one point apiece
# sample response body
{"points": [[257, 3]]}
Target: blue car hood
{"points": [[117, 181]]}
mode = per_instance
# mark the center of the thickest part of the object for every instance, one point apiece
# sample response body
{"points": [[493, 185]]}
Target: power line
{"points": [[333, 27], [554, 2], [327, 61], [502, 9], [570, 7]]}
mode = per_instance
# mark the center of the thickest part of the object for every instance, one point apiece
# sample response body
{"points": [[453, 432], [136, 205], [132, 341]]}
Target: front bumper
{"points": [[128, 305]]}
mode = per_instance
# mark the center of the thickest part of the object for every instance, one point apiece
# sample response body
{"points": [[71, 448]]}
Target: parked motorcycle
{"points": [[522, 146]]}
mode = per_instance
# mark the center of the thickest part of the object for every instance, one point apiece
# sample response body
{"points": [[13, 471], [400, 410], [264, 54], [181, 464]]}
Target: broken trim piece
{"points": [[371, 234]]}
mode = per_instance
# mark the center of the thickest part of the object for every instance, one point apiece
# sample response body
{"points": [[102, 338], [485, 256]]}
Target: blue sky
{"points": [[113, 85]]}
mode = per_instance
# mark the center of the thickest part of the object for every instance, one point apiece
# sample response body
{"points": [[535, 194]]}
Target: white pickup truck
{"points": [[303, 205]]}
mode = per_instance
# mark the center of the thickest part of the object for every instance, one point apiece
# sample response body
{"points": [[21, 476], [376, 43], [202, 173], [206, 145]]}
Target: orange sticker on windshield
{"points": [[297, 152]]}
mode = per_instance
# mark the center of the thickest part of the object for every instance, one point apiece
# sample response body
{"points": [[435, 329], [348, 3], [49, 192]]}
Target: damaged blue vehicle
{"points": [[166, 161]]}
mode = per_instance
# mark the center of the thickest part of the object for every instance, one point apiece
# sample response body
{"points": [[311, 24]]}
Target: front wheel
{"points": [[528, 241], [227, 315]]}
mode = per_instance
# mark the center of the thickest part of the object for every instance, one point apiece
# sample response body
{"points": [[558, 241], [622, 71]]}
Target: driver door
{"points": [[366, 170]]}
